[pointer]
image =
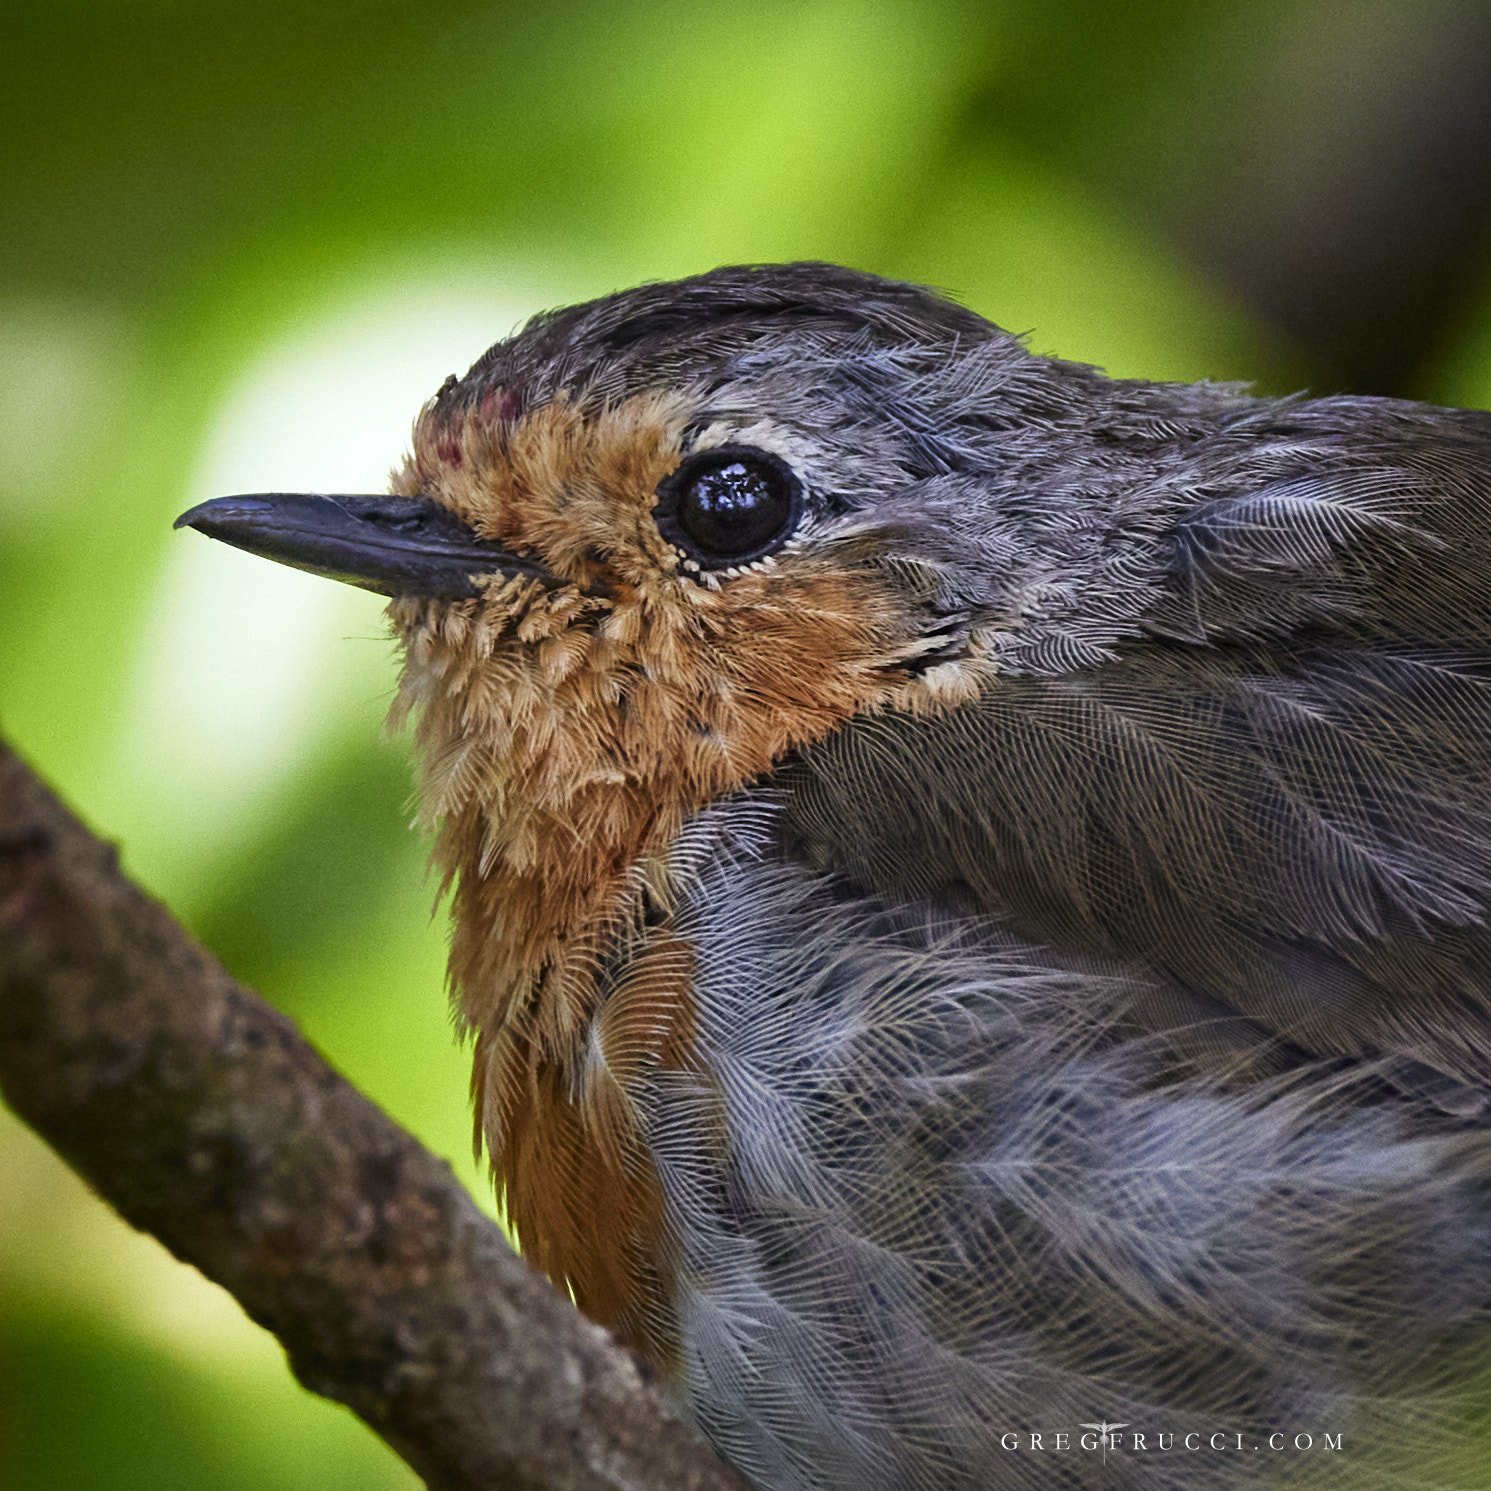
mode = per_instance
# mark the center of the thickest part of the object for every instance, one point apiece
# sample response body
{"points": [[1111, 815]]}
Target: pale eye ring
{"points": [[728, 505]]}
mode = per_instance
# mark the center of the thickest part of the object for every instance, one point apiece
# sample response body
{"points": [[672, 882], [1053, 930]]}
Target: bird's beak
{"points": [[402, 546]]}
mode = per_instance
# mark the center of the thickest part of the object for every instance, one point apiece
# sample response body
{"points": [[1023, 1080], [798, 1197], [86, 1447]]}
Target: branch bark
{"points": [[204, 1117]]}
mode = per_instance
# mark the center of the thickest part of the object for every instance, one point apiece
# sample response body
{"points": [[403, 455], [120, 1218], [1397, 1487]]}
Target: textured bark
{"points": [[205, 1118]]}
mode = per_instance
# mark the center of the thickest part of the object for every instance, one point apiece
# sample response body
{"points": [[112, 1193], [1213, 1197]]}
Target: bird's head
{"points": [[655, 542]]}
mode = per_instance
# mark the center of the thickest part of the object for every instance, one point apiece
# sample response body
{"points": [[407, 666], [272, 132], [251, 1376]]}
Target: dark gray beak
{"points": [[394, 545]]}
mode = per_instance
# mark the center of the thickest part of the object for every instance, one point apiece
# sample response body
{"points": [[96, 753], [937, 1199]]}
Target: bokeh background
{"points": [[243, 240]]}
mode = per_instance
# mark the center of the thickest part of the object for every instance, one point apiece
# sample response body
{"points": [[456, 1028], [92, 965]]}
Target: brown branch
{"points": [[205, 1118]]}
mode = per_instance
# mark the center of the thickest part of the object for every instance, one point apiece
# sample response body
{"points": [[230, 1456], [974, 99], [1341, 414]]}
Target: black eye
{"points": [[729, 505]]}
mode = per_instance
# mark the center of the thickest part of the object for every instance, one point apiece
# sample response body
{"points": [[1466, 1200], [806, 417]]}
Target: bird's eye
{"points": [[728, 505]]}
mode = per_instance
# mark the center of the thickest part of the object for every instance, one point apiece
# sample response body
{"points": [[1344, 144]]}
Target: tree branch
{"points": [[205, 1118]]}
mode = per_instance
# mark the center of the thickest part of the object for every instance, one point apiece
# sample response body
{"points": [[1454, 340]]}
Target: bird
{"points": [[970, 880]]}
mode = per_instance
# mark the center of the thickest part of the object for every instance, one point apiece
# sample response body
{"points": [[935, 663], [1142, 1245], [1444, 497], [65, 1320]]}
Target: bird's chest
{"points": [[654, 1138]]}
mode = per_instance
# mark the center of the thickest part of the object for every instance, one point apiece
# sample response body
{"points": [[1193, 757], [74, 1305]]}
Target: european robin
{"points": [[970, 879]]}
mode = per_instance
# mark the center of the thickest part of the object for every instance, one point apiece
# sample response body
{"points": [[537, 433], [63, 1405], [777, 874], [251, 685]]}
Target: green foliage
{"points": [[244, 240]]}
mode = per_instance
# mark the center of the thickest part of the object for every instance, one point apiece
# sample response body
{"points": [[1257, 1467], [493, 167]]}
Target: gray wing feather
{"points": [[1273, 797], [927, 1194]]}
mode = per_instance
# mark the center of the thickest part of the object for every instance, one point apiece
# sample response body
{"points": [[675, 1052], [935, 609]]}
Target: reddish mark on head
{"points": [[502, 403]]}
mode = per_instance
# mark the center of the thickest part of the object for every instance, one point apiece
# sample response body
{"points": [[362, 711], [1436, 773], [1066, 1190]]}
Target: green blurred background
{"points": [[243, 241]]}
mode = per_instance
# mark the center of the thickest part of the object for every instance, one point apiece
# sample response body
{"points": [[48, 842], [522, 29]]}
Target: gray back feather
{"points": [[954, 1198], [1272, 794]]}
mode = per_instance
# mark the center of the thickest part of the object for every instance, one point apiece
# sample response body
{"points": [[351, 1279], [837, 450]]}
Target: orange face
{"points": [[643, 668]]}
